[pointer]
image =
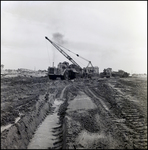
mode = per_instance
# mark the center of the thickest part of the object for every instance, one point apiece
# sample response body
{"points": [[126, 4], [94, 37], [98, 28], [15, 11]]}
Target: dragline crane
{"points": [[64, 71], [61, 51]]}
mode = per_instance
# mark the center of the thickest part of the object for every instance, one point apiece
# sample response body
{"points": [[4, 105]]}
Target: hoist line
{"points": [[48, 52], [58, 45], [73, 52]]}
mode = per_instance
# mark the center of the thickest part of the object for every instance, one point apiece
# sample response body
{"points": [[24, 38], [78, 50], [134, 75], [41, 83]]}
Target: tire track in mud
{"points": [[107, 122], [90, 123], [135, 119], [62, 132], [125, 114], [116, 123], [70, 94]]}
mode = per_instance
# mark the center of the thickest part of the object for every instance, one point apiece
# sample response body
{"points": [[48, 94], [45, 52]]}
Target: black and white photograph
{"points": [[73, 74]]}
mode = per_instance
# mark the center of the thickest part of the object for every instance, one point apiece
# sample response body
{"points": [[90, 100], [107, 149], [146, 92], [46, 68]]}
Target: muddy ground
{"points": [[95, 113]]}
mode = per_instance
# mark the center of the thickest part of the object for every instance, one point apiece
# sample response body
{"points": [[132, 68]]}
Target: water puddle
{"points": [[43, 137], [17, 119], [9, 125], [5, 127]]}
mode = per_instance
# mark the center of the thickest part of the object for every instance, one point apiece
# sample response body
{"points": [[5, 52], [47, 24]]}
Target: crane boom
{"points": [[61, 51], [89, 62]]}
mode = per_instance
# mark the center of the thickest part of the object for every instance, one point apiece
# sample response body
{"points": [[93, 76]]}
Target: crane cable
{"points": [[48, 53], [73, 52]]}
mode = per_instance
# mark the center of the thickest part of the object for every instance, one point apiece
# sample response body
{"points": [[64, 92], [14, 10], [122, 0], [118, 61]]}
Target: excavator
{"points": [[66, 71]]}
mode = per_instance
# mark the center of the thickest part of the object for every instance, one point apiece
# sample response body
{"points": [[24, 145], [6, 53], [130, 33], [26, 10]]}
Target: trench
{"points": [[44, 115], [45, 135]]}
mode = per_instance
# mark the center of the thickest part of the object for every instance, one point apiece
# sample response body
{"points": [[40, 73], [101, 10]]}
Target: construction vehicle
{"points": [[120, 73], [106, 73], [63, 71], [109, 73], [66, 71]]}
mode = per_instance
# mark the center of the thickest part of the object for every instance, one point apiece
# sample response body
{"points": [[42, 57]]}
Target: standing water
{"points": [[9, 125], [43, 137]]}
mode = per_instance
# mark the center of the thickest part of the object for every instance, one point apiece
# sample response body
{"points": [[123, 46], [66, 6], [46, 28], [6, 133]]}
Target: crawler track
{"points": [[130, 121]]}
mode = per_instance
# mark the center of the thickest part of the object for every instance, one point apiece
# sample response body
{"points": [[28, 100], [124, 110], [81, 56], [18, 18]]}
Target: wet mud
{"points": [[93, 114]]}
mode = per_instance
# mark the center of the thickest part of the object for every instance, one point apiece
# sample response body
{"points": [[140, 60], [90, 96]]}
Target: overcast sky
{"points": [[108, 33]]}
